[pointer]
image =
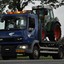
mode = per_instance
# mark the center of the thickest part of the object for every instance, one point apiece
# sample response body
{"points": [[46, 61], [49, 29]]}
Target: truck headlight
{"points": [[23, 47]]}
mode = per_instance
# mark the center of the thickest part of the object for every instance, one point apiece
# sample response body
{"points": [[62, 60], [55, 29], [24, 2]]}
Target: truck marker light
{"points": [[19, 12]]}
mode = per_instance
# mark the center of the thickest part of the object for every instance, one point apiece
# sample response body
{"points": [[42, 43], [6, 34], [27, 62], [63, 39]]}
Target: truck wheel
{"points": [[60, 55], [55, 34], [35, 54]]}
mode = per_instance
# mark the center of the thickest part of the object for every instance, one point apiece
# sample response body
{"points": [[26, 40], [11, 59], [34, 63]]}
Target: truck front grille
{"points": [[16, 39]]}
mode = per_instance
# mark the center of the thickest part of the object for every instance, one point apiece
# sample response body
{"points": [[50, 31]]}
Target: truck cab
{"points": [[19, 27]]}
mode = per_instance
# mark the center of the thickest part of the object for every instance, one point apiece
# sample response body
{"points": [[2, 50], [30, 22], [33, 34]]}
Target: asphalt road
{"points": [[32, 61], [26, 60]]}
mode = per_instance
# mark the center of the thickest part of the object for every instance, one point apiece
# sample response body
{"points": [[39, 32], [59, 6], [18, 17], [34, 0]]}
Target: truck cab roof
{"points": [[17, 15]]}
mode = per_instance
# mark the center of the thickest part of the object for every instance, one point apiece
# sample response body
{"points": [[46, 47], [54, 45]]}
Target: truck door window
{"points": [[31, 24]]}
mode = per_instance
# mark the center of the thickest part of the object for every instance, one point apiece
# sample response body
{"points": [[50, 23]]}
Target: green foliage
{"points": [[54, 3]]}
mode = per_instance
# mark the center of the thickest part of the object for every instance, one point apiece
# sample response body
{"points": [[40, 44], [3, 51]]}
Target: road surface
{"points": [[23, 60], [26, 60], [32, 61]]}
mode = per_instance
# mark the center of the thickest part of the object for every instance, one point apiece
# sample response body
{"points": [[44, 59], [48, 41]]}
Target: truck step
{"points": [[48, 48], [50, 52]]}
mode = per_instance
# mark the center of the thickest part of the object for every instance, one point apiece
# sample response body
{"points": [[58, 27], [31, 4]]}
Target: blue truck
{"points": [[25, 33]]}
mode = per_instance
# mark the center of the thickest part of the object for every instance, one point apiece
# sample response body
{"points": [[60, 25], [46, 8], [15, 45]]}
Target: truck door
{"points": [[31, 28]]}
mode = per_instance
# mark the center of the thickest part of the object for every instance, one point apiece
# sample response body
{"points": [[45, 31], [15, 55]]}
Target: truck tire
{"points": [[60, 54], [8, 54], [55, 33], [35, 54]]}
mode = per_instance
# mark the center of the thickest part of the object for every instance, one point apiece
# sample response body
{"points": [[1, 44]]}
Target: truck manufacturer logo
{"points": [[11, 34]]}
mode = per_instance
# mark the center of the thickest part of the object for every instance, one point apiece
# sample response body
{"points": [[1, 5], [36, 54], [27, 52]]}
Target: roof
{"points": [[18, 15], [43, 6], [47, 6]]}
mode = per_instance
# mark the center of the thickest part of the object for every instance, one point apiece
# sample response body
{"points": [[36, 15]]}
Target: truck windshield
{"points": [[12, 23]]}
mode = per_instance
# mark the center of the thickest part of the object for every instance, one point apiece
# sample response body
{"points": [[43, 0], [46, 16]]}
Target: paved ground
{"points": [[31, 61], [42, 60], [26, 60]]}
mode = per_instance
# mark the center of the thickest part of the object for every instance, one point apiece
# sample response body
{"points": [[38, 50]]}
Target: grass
{"points": [[19, 57]]}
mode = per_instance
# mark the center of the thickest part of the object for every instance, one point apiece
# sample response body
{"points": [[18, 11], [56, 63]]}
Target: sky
{"points": [[59, 12]]}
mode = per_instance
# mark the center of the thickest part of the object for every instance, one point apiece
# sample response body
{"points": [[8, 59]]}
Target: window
{"points": [[11, 24], [51, 14], [47, 17], [15, 23], [2, 25], [21, 23], [31, 23]]}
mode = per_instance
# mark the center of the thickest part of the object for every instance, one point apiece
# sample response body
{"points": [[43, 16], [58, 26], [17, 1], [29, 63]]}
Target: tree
{"points": [[16, 3], [54, 3]]}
